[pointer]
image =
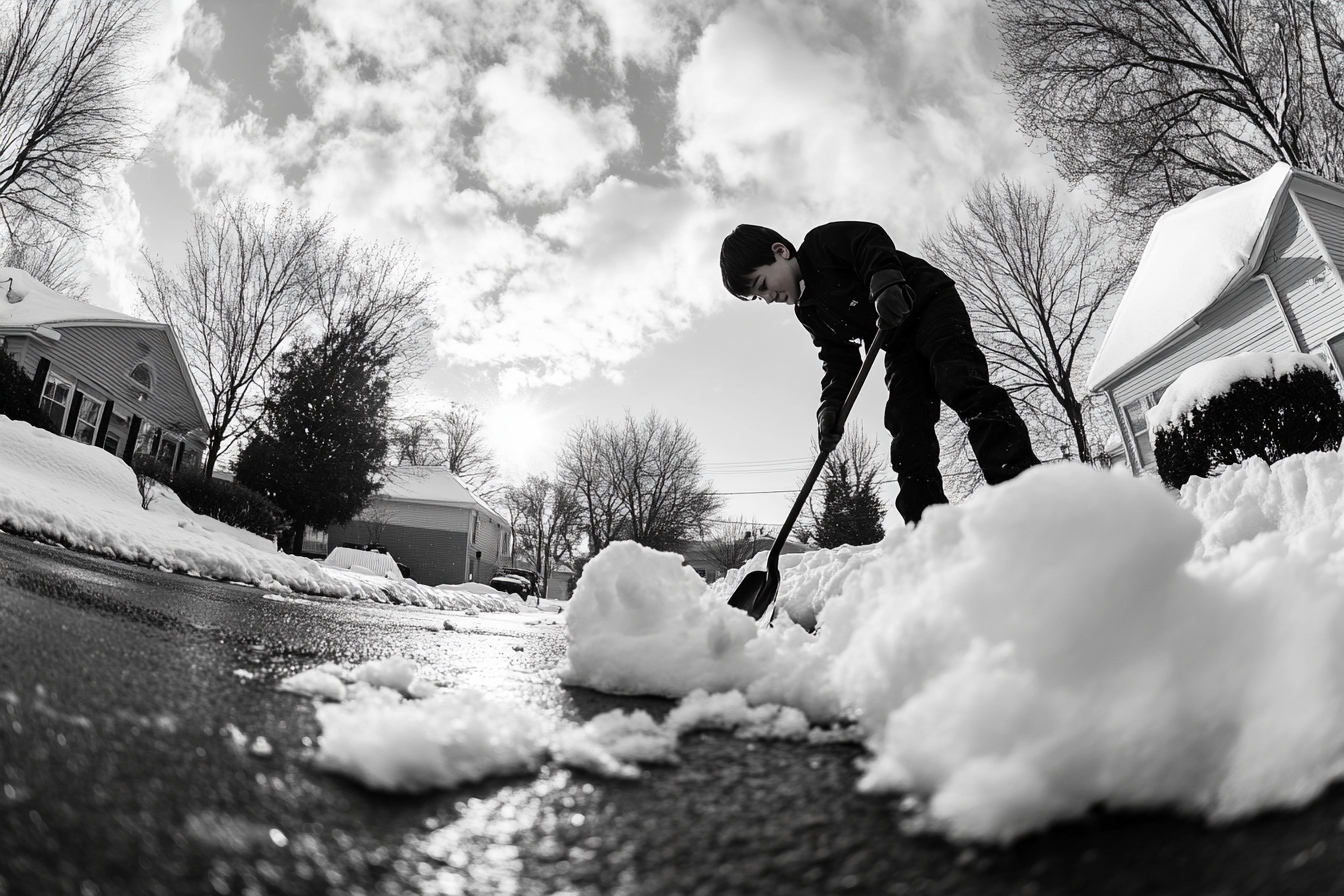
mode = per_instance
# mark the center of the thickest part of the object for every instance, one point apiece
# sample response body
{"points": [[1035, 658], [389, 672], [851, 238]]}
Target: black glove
{"points": [[892, 296], [828, 432]]}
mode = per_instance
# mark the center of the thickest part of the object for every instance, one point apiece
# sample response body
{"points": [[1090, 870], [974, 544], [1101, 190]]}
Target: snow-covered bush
{"points": [[1227, 410], [219, 499]]}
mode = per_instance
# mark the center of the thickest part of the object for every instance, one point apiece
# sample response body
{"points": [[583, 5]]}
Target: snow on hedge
{"points": [[1197, 385], [86, 498]]}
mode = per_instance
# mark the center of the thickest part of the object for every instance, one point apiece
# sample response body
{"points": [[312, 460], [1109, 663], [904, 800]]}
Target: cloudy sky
{"points": [[566, 170]]}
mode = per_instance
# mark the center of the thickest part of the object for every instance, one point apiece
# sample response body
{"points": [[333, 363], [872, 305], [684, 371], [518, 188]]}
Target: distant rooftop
{"points": [[432, 485]]}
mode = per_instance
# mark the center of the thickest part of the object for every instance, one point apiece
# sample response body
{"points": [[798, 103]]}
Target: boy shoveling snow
{"points": [[844, 278]]}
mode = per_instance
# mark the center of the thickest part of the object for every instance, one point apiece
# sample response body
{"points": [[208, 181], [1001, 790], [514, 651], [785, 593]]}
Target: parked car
{"points": [[522, 582]]}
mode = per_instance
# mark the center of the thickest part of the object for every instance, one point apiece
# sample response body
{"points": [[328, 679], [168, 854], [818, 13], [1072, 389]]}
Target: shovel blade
{"points": [[755, 593]]}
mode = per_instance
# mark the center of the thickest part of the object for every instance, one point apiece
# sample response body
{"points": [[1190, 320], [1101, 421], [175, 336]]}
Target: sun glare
{"points": [[519, 434]]}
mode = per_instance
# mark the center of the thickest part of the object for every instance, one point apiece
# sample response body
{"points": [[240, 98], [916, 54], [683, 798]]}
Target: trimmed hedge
{"points": [[1269, 418], [16, 395], [220, 499]]}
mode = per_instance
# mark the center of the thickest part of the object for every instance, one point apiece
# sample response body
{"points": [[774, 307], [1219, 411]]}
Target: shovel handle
{"points": [[773, 561]]}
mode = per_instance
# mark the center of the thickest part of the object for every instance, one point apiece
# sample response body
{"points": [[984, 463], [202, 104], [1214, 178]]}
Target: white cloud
{"points": [[204, 34], [447, 124], [835, 114], [535, 145]]}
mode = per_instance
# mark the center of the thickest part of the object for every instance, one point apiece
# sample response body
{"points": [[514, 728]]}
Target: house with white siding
{"points": [[104, 378], [1247, 268], [431, 522]]}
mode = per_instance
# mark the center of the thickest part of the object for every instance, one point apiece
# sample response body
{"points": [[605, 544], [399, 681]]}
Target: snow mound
{"points": [[1068, 639]]}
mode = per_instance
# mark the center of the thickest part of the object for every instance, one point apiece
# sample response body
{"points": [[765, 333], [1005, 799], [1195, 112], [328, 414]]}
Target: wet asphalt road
{"points": [[130, 698]]}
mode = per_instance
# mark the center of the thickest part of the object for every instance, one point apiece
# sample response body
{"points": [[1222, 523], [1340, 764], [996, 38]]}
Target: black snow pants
{"points": [[934, 358]]}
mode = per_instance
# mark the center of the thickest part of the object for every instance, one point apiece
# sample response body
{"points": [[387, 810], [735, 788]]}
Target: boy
{"points": [[846, 276]]}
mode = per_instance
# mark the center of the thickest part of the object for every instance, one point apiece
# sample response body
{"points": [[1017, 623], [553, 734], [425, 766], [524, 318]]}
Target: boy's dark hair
{"points": [[744, 250]]}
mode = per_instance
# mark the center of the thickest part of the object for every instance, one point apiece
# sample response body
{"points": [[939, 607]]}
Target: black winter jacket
{"points": [[837, 261]]}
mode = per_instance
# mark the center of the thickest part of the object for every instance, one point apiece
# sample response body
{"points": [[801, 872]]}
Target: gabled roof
{"points": [[1196, 253], [27, 303], [432, 485]]}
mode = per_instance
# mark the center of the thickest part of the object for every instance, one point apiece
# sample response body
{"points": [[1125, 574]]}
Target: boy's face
{"points": [[777, 281]]}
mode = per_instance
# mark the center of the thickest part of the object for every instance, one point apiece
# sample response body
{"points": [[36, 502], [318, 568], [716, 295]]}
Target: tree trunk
{"points": [[1075, 413], [296, 537]]}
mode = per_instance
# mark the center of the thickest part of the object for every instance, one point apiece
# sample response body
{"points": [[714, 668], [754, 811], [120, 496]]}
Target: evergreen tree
{"points": [[322, 438], [16, 395], [851, 511]]}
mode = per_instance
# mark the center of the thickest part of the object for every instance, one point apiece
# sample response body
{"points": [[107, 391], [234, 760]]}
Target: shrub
{"points": [[16, 395], [219, 499], [1270, 418]]}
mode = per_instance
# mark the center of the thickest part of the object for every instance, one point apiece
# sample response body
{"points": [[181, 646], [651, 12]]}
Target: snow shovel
{"points": [[756, 592]]}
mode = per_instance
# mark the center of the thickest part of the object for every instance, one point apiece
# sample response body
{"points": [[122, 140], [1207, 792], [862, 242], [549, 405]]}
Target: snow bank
{"points": [[1068, 639], [1207, 379], [87, 499]]}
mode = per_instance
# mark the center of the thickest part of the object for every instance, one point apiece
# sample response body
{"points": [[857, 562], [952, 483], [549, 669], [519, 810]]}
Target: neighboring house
{"points": [[1248, 268], [104, 378], [431, 522], [701, 559]]}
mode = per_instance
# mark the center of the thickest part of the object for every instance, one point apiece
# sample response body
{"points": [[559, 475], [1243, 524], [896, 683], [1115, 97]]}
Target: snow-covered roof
{"points": [[432, 485], [1195, 253], [31, 303]]}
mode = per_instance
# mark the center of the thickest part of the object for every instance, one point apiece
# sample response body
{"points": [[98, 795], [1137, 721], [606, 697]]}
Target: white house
{"points": [[104, 378], [434, 524], [1252, 267]]}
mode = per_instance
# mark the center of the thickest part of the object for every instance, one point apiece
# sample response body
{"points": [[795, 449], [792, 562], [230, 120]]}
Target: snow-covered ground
{"points": [[87, 499], [1069, 639]]}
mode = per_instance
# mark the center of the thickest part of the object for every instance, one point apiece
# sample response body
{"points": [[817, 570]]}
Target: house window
{"points": [[86, 427], [55, 399], [475, 517], [116, 432], [1335, 355], [143, 375], [167, 449], [1136, 415], [146, 440]]}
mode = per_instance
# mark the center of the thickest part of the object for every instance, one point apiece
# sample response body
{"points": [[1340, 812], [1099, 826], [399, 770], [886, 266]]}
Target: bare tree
{"points": [[1158, 99], [638, 479], [67, 110], [375, 518], [585, 467], [50, 253], [452, 438], [547, 522], [729, 543], [248, 283], [383, 286], [1036, 281]]}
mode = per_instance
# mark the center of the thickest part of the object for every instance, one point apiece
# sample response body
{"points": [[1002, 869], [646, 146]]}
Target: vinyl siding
{"points": [[100, 359], [1319, 304], [434, 556], [1247, 321]]}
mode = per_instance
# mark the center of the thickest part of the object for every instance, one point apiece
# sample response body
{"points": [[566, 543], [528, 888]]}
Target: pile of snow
{"points": [[1197, 385], [1068, 639], [85, 498], [390, 729]]}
